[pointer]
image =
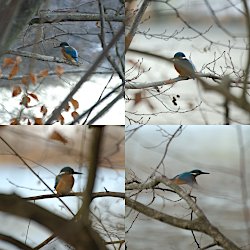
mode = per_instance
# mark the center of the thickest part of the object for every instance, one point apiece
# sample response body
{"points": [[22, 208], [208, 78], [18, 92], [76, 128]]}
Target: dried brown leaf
{"points": [[58, 137], [8, 61], [74, 103], [74, 114], [16, 91], [13, 72], [33, 78], [38, 121], [59, 70], [34, 96], [43, 110], [43, 73]]}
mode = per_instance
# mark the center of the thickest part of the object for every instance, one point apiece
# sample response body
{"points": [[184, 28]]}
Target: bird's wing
{"points": [[188, 65], [58, 177], [175, 177], [72, 52], [188, 178], [184, 67], [193, 66]]}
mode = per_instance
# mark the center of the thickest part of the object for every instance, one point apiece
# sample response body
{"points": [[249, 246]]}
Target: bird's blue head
{"points": [[179, 55], [63, 44], [197, 172], [68, 170]]}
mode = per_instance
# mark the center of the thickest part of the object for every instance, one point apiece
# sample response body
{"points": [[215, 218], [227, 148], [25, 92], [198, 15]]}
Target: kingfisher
{"points": [[69, 52], [184, 66], [187, 178], [65, 180]]}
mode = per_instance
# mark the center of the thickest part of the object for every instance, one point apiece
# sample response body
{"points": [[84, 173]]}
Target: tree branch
{"points": [[58, 110], [94, 195], [201, 224], [129, 37], [14, 242], [39, 57], [171, 220], [66, 230], [56, 17]]}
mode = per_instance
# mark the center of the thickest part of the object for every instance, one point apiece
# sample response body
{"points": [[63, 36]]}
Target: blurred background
{"points": [[47, 150], [217, 150], [27, 31], [210, 33]]}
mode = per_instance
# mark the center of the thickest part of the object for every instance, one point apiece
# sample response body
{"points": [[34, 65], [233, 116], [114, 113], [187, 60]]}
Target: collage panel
{"points": [[144, 151], [187, 67], [62, 62], [62, 187], [187, 187], [187, 62]]}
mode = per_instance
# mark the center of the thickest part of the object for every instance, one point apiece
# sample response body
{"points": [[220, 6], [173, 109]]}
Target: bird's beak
{"points": [[205, 173], [77, 172], [57, 46]]}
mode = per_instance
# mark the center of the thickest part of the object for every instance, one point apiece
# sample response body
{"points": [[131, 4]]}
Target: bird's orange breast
{"points": [[67, 56], [65, 184], [181, 70], [184, 68], [178, 181]]}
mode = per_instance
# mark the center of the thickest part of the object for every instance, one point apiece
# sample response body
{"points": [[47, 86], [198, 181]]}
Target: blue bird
{"points": [[65, 180], [187, 178], [69, 52], [184, 66]]}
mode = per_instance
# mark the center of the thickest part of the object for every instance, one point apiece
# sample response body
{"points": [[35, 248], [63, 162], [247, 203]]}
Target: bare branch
{"points": [[14, 242], [58, 110], [39, 57], [200, 224], [129, 37], [93, 196], [69, 231], [56, 17]]}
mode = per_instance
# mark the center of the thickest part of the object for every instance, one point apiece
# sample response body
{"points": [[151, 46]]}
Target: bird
{"points": [[187, 178], [65, 180], [184, 66], [69, 52]]}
